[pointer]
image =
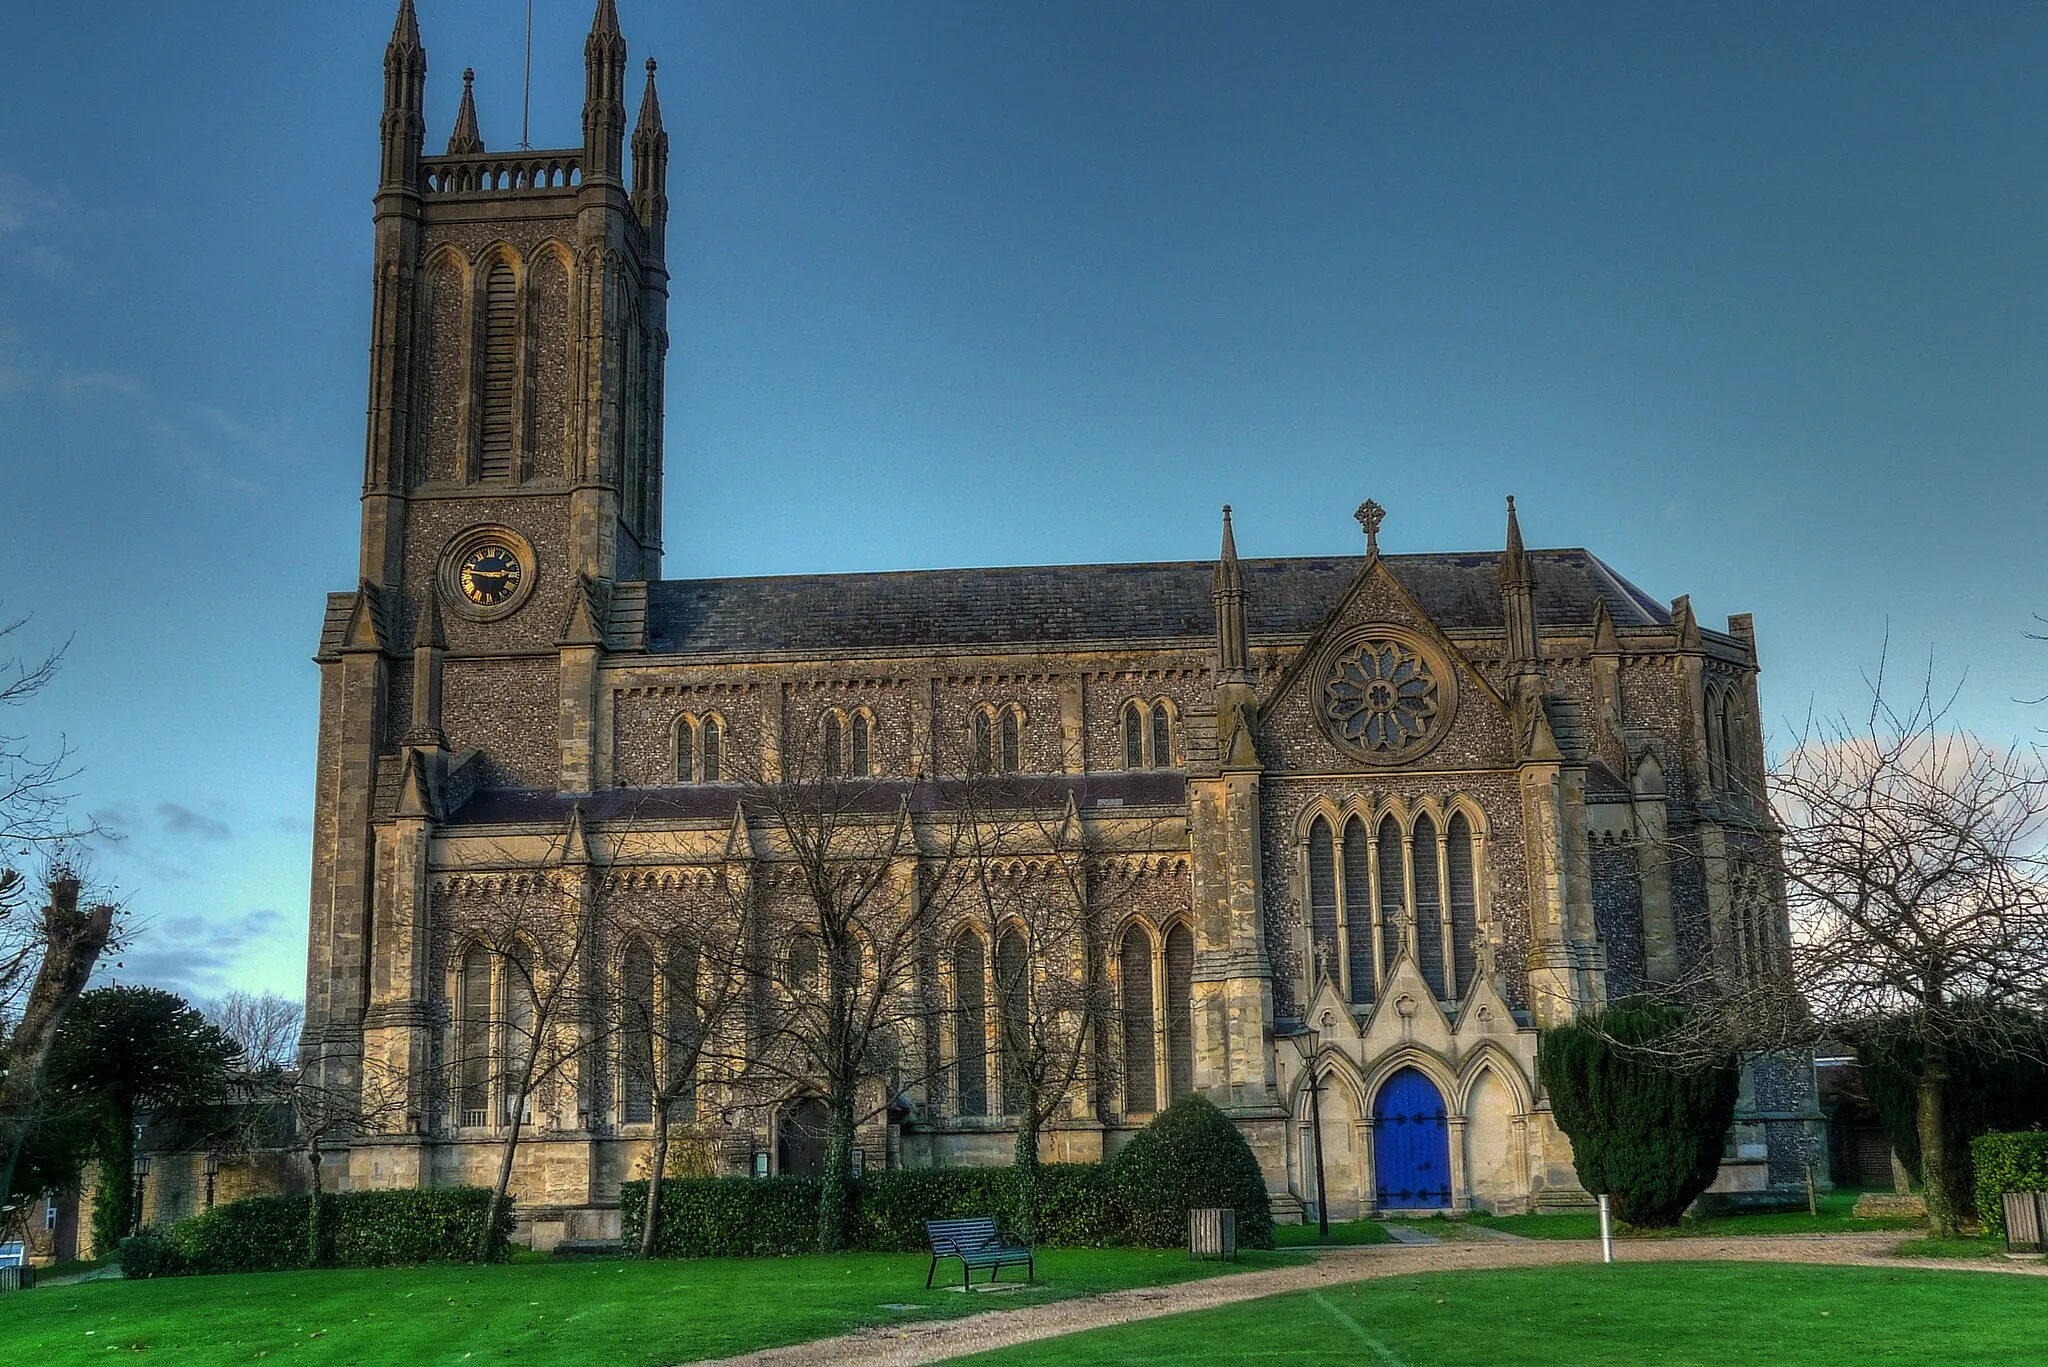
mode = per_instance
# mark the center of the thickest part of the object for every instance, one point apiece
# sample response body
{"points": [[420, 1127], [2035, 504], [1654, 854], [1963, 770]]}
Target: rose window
{"points": [[1381, 696]]}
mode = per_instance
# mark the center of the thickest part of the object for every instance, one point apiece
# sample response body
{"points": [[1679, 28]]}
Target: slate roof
{"points": [[1047, 604]]}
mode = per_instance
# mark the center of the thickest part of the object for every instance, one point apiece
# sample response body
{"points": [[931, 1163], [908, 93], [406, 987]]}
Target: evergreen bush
{"points": [[2007, 1162], [363, 1228], [1647, 1132], [1191, 1156]]}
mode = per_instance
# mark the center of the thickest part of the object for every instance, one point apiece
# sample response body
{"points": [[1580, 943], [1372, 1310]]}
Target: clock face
{"points": [[489, 575]]}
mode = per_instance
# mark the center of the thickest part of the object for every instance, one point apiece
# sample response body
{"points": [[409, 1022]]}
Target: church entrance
{"points": [[1411, 1145], [800, 1138]]}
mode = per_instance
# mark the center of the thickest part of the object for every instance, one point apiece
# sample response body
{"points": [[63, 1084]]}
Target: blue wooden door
{"points": [[1411, 1144]]}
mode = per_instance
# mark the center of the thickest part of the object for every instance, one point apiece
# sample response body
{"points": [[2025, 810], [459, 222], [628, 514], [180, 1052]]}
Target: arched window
{"points": [[1717, 749], [1393, 891], [686, 750], [801, 971], [858, 762], [1464, 901], [1162, 737], [681, 1029], [1180, 1012], [473, 1037], [970, 1024], [1734, 754], [983, 758], [1141, 1078], [714, 749], [1322, 905], [522, 1024], [496, 453], [834, 737], [1013, 1015], [1134, 736], [1358, 912], [1429, 909], [1012, 741], [636, 1034]]}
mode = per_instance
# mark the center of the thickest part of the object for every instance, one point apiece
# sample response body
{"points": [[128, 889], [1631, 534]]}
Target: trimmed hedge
{"points": [[725, 1217], [2007, 1162], [361, 1229], [1191, 1156]]}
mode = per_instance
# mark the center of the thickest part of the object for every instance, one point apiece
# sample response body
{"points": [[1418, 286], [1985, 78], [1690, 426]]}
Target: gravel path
{"points": [[935, 1341]]}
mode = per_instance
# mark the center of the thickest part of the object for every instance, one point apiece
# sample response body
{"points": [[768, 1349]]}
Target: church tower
{"points": [[511, 484]]}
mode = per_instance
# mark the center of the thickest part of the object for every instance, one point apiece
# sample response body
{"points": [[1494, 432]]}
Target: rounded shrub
{"points": [[1191, 1157], [1647, 1130]]}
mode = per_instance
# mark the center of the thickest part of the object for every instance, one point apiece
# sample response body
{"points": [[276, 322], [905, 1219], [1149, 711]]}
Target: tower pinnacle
{"points": [[467, 140]]}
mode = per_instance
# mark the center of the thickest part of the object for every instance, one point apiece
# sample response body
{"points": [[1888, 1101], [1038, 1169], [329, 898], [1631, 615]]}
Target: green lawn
{"points": [[543, 1313], [1341, 1232], [1672, 1314], [1835, 1218]]}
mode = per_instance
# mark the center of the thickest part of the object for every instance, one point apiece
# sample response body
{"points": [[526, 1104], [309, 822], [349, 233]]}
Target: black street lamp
{"points": [[212, 1172], [141, 1176], [1307, 1042]]}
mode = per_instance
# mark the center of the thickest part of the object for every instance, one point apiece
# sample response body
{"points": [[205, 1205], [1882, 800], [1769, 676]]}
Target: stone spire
{"points": [[1518, 601], [405, 92], [604, 96], [650, 165], [428, 644], [1227, 591], [467, 140]]}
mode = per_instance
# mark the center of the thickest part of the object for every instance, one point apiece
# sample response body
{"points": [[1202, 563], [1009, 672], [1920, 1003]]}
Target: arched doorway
{"points": [[1411, 1145], [800, 1138]]}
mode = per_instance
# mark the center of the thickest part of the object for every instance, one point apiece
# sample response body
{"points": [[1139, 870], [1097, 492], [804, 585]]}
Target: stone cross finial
{"points": [[1369, 516]]}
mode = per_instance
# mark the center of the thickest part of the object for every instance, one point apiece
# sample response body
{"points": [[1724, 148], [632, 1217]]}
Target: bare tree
{"points": [[64, 949], [1910, 854], [316, 1113], [677, 987], [840, 892], [530, 999], [266, 1025]]}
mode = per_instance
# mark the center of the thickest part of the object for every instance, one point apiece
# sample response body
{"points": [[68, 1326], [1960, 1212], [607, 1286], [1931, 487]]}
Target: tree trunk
{"points": [[1930, 1117], [835, 1201], [650, 1227], [504, 1182], [313, 1209], [72, 941], [1026, 1164]]}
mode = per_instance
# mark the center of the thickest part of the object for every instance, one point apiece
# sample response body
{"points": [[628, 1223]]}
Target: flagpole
{"points": [[526, 86]]}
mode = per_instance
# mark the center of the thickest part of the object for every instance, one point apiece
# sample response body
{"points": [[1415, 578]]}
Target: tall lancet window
{"points": [[857, 765], [1358, 912], [636, 1035], [1162, 737], [970, 1024], [1393, 892], [473, 1038], [1134, 736], [1134, 975], [830, 745], [1180, 1012], [1464, 900], [497, 453], [1429, 909], [1013, 1010], [1322, 905]]}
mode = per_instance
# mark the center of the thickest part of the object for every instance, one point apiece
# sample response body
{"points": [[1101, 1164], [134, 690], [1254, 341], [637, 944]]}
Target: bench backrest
{"points": [[948, 1236]]}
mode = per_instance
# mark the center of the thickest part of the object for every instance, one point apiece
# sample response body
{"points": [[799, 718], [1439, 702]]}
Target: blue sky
{"points": [[1749, 299]]}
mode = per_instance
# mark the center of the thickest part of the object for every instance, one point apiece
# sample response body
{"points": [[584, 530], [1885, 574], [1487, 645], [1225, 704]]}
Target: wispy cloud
{"points": [[197, 956], [30, 219], [181, 820]]}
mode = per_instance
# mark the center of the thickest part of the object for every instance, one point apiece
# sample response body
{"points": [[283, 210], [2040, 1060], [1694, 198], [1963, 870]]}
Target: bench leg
{"points": [[1030, 1269], [932, 1272]]}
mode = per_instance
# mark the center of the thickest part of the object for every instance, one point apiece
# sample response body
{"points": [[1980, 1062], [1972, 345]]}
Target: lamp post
{"points": [[141, 1175], [212, 1173], [1308, 1042]]}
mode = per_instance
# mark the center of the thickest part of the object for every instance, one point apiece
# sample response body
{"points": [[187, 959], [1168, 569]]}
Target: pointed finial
{"points": [[650, 109], [427, 633], [1369, 516], [1514, 562], [1229, 538], [467, 140], [405, 32], [607, 19]]}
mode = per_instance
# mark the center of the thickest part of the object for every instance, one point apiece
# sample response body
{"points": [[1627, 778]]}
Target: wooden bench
{"points": [[975, 1243]]}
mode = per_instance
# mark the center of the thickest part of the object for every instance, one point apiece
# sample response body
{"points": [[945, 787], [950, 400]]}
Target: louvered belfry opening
{"points": [[497, 455]]}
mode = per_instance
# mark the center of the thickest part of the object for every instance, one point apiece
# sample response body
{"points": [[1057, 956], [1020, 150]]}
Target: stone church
{"points": [[1420, 805]]}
